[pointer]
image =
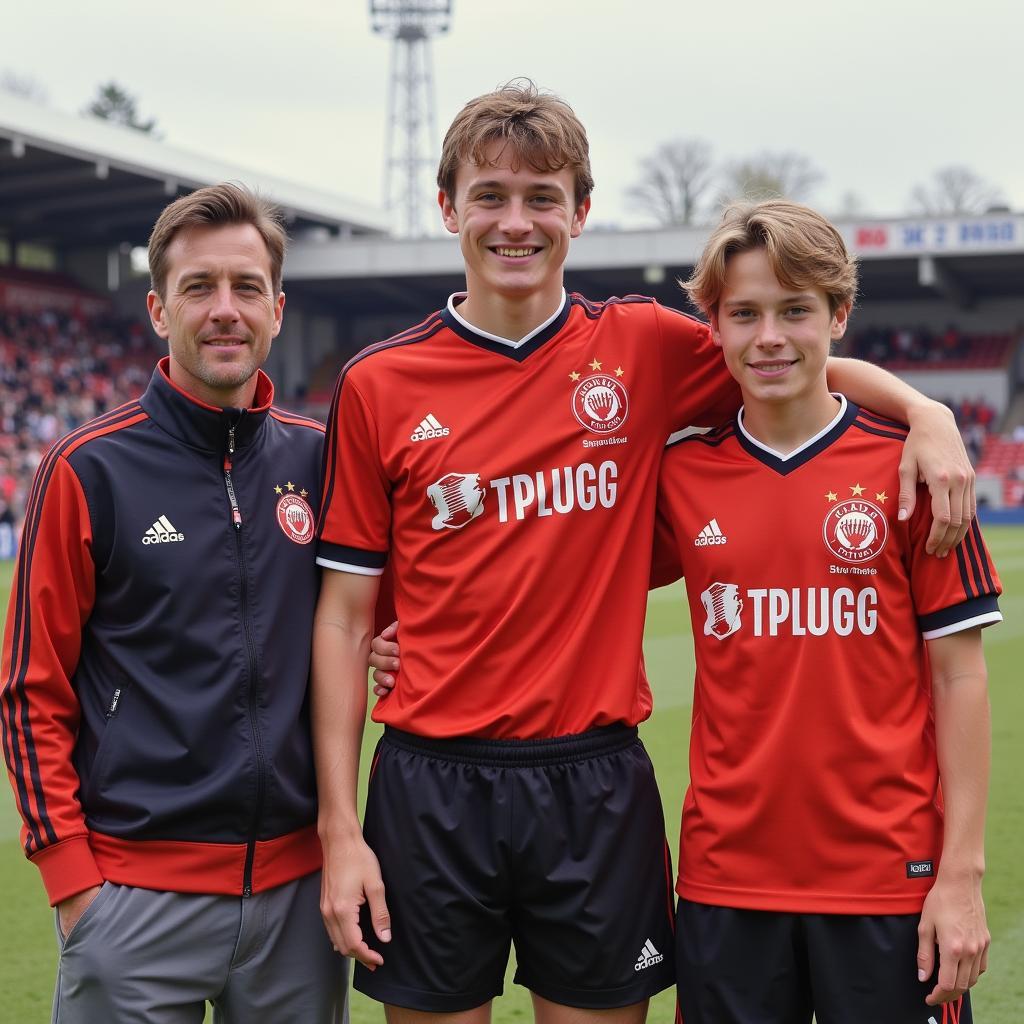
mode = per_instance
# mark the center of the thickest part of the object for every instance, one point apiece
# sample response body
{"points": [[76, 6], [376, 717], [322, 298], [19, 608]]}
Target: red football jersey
{"points": [[512, 486], [814, 784]]}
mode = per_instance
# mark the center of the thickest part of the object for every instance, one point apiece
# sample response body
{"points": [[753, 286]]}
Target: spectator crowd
{"points": [[58, 370]]}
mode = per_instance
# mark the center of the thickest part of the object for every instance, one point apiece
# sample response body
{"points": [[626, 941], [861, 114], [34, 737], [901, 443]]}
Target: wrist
{"points": [[338, 829], [919, 406], [961, 868]]}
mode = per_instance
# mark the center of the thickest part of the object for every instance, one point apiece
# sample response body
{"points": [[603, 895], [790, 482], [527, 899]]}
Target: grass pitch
{"points": [[28, 947]]}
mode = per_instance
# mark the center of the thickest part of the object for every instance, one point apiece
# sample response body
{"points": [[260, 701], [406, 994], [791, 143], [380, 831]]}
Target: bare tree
{"points": [[851, 206], [117, 105], [953, 191], [672, 181], [770, 176], [24, 86]]}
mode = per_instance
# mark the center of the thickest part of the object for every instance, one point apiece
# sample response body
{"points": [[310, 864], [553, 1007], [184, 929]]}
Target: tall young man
{"points": [[510, 798], [156, 659], [840, 675]]}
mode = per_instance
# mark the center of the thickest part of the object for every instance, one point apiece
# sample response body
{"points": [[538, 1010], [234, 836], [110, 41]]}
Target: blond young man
{"points": [[840, 674], [519, 533]]}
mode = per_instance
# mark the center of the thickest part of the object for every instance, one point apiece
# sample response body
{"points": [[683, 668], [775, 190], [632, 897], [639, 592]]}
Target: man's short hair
{"points": [[213, 206], [535, 128], [804, 249]]}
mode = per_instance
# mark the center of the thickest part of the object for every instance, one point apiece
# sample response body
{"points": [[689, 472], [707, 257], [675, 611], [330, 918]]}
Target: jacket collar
{"points": [[200, 425]]}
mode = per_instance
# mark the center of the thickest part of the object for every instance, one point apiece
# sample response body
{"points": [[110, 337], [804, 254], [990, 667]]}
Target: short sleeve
{"points": [[954, 593], [355, 515]]}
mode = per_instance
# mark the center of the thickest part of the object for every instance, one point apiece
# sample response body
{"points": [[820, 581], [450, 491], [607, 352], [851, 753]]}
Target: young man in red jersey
{"points": [[840, 674], [518, 528]]}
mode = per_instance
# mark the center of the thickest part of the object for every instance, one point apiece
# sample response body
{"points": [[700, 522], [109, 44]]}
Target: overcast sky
{"points": [[878, 94]]}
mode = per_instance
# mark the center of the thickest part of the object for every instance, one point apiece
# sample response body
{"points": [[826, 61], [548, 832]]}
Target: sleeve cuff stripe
{"points": [[958, 627], [359, 570]]}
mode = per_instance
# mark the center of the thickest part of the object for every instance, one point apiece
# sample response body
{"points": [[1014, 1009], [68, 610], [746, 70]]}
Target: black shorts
{"points": [[767, 967], [556, 845]]}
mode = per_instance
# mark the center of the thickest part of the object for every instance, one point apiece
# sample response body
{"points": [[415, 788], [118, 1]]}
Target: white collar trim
{"points": [[807, 444], [494, 337]]}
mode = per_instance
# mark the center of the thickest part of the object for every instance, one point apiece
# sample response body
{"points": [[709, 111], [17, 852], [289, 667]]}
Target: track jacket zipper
{"points": [[236, 521]]}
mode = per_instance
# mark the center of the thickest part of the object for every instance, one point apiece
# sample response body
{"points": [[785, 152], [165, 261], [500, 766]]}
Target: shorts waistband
{"points": [[606, 739]]}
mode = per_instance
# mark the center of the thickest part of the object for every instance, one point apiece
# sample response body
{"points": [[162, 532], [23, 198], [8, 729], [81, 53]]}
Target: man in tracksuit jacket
{"points": [[154, 703]]}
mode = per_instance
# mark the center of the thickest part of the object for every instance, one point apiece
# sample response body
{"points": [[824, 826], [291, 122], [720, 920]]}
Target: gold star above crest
{"points": [[303, 492], [619, 371], [574, 375], [881, 496], [277, 489], [595, 364], [290, 486], [857, 490], [832, 496]]}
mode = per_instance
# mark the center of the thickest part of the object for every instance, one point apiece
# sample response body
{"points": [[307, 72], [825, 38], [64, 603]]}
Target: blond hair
{"points": [[214, 205], [804, 249], [534, 128]]}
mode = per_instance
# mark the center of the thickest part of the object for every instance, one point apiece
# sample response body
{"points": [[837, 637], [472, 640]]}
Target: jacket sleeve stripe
{"points": [[19, 745], [17, 724]]}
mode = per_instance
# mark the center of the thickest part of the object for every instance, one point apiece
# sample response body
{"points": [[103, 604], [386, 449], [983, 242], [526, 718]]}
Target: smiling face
{"points": [[514, 225], [219, 313], [776, 339]]}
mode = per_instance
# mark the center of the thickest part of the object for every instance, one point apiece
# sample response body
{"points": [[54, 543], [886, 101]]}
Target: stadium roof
{"points": [[69, 180], [959, 260]]}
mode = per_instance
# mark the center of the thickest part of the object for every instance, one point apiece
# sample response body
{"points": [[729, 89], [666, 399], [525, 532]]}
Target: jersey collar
{"points": [[784, 464], [517, 350], [200, 425]]}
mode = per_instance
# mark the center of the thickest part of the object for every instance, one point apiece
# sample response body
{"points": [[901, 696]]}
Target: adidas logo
{"points": [[648, 957], [428, 428], [711, 534], [162, 532]]}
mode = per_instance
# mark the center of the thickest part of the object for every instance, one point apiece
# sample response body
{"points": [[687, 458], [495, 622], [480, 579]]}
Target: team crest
{"points": [[600, 403], [458, 499], [295, 518], [855, 530], [722, 605]]}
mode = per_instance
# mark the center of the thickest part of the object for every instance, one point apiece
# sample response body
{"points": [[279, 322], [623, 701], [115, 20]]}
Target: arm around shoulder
{"points": [[934, 452]]}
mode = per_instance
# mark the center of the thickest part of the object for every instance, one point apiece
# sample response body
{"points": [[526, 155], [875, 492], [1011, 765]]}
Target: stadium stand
{"points": [[65, 357]]}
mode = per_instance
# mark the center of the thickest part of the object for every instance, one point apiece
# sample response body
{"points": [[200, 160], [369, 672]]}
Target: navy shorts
{"points": [[557, 846], [766, 967]]}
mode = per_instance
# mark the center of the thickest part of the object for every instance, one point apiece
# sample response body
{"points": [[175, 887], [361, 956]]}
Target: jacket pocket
{"points": [[98, 769]]}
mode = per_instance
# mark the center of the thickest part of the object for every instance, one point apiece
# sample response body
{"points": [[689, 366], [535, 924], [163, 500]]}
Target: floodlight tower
{"points": [[412, 128]]}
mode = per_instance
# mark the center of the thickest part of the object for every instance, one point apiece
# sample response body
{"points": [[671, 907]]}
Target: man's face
{"points": [[219, 314], [775, 339], [514, 226]]}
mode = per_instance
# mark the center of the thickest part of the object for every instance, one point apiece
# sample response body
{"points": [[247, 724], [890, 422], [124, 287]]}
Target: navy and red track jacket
{"points": [[156, 656]]}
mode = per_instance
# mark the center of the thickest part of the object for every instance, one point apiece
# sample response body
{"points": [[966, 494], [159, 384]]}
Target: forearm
{"points": [[341, 643], [877, 389], [963, 744]]}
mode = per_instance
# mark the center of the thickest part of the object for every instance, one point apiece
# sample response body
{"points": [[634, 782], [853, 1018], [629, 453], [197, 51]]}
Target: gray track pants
{"points": [[138, 956]]}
